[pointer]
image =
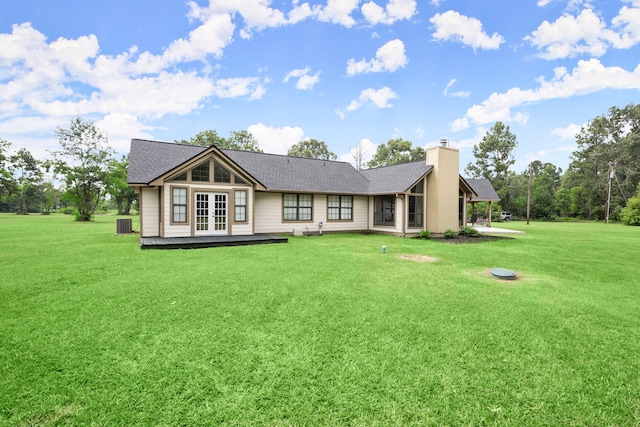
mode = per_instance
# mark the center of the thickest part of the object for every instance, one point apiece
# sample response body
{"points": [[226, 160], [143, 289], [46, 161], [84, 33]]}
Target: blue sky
{"points": [[346, 72]]}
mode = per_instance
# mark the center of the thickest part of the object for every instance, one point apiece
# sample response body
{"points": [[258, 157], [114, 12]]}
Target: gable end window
{"points": [[384, 211], [201, 172], [297, 207], [339, 208], [178, 204], [220, 173]]}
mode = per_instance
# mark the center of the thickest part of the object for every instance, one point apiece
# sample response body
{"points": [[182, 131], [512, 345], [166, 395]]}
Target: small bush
{"points": [[449, 234], [67, 211], [468, 231], [424, 234], [630, 214]]}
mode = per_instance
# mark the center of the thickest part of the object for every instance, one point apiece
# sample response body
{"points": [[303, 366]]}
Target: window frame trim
{"points": [[288, 221], [246, 206], [186, 205], [394, 211], [340, 208]]}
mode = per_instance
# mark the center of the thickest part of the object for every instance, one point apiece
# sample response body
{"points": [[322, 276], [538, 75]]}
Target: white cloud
{"points": [[459, 94], [389, 57], [380, 98], [568, 132], [337, 12], [305, 81], [211, 37], [587, 77], [121, 127], [394, 11], [586, 34], [368, 150], [453, 26], [459, 124], [276, 140], [66, 77], [569, 36], [480, 132], [250, 87], [628, 21], [542, 3]]}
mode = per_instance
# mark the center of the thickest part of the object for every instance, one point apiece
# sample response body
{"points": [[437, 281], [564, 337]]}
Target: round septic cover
{"points": [[501, 273]]}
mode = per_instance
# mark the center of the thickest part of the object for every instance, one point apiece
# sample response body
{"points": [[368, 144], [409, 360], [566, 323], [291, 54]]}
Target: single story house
{"points": [[189, 191]]}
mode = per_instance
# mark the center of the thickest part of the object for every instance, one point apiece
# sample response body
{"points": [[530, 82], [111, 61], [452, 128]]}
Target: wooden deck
{"points": [[208, 241]]}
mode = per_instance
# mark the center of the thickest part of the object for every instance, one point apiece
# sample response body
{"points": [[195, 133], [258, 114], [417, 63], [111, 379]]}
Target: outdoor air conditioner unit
{"points": [[123, 226]]}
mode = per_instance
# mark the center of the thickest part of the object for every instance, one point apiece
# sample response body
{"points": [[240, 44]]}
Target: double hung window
{"points": [[297, 207], [240, 199], [179, 204], [339, 208]]}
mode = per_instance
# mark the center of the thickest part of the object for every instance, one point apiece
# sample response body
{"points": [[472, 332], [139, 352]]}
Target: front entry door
{"points": [[211, 214]]}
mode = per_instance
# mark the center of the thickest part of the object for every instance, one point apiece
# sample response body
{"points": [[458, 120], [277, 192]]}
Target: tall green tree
{"points": [[312, 149], [394, 152], [543, 189], [238, 140], [120, 192], [28, 175], [83, 163], [494, 156], [50, 197], [611, 140], [7, 181], [243, 140]]}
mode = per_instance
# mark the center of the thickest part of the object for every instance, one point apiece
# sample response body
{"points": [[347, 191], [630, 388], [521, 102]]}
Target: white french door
{"points": [[210, 214]]}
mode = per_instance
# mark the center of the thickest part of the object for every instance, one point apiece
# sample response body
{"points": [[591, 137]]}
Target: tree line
{"points": [[602, 180], [84, 165], [604, 167]]}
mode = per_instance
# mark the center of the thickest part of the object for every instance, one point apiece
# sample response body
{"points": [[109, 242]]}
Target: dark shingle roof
{"points": [[484, 190], [149, 160], [286, 173], [396, 178]]}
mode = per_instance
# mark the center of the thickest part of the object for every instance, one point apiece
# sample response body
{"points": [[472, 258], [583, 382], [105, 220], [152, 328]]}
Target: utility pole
{"points": [[529, 192], [609, 193]]}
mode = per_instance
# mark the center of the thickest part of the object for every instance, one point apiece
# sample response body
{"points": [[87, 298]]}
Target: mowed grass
{"points": [[319, 331]]}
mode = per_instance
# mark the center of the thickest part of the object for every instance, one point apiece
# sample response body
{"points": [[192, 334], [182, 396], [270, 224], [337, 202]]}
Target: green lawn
{"points": [[319, 331]]}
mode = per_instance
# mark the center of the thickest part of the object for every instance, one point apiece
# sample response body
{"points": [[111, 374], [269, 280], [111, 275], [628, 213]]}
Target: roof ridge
{"points": [[284, 155], [397, 164]]}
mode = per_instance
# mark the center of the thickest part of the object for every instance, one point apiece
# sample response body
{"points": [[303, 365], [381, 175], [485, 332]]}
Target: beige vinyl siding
{"points": [[176, 230], [242, 228], [358, 222], [150, 205], [269, 215]]}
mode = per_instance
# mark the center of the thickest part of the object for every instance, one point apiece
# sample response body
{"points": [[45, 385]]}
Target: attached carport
{"points": [[484, 193]]}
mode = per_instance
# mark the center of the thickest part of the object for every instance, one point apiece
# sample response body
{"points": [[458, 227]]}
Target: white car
{"points": [[506, 216]]}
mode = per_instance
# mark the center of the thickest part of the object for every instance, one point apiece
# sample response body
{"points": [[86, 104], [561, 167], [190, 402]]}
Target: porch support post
{"points": [[490, 207]]}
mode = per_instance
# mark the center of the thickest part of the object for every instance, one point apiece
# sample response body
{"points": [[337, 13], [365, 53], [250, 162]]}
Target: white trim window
{"points": [[339, 208], [240, 201], [179, 204], [297, 207]]}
